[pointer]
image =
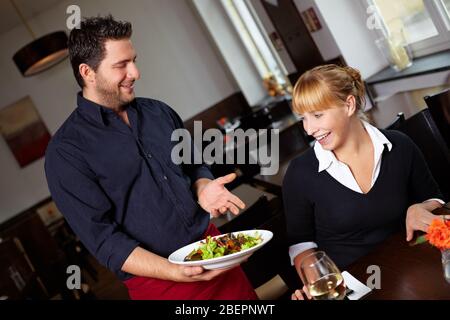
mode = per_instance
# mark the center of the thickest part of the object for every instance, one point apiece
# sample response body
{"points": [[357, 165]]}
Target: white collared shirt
{"points": [[342, 173]]}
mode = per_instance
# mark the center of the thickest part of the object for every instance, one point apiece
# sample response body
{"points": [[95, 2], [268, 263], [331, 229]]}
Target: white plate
{"points": [[224, 261]]}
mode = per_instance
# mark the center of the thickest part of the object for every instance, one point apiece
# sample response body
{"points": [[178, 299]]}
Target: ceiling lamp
{"points": [[41, 53]]}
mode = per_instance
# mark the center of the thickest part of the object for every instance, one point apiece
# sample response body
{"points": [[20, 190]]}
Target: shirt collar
{"points": [[379, 140], [94, 110], [326, 157]]}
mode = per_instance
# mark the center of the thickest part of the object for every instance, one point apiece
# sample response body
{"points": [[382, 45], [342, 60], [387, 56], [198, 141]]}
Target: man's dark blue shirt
{"points": [[117, 186]]}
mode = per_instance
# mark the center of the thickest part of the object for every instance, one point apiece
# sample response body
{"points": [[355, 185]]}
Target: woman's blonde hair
{"points": [[326, 86]]}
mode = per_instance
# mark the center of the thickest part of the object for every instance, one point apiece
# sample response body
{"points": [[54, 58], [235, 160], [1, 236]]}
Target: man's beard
{"points": [[110, 94]]}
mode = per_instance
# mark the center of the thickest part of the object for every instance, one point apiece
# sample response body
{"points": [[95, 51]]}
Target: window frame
{"points": [[441, 20], [258, 55]]}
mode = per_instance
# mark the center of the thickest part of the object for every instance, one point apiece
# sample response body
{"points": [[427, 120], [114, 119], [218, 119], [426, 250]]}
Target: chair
{"points": [[397, 123], [422, 129], [244, 171], [259, 119], [250, 218], [76, 252], [293, 141], [18, 277], [49, 261], [439, 106]]}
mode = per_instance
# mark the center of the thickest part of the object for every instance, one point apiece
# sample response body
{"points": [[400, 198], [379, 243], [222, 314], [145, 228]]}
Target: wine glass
{"points": [[322, 277]]}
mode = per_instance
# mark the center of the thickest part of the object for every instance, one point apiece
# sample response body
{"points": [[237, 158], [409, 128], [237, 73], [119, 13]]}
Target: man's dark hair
{"points": [[87, 43]]}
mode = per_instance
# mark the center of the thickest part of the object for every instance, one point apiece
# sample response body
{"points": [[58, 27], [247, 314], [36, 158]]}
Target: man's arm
{"points": [[87, 210], [144, 263], [85, 206]]}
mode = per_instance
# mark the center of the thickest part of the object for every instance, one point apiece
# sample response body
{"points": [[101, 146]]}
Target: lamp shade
{"points": [[42, 53]]}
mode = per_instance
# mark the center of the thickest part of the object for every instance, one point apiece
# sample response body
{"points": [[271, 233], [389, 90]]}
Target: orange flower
{"points": [[438, 234]]}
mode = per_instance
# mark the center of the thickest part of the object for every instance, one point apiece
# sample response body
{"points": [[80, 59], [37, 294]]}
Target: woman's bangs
{"points": [[311, 97]]}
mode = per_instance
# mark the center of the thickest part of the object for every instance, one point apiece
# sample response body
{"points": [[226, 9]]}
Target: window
{"points": [[425, 23], [409, 15], [255, 40], [446, 4]]}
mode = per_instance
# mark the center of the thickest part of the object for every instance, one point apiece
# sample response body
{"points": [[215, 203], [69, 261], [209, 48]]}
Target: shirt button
{"points": [[149, 155], [165, 177]]}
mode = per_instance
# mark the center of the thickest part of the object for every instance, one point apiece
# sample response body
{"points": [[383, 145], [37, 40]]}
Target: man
{"points": [[110, 173]]}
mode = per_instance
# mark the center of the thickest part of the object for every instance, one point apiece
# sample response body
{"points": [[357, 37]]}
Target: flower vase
{"points": [[446, 264], [395, 48]]}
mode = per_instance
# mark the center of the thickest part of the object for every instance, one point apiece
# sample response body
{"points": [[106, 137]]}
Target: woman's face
{"points": [[329, 127]]}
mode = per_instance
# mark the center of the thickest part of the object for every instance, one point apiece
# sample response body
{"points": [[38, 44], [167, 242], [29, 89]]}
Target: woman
{"points": [[358, 184]]}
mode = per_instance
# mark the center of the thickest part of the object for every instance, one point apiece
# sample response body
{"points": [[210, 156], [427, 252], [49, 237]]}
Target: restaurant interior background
{"points": [[211, 60]]}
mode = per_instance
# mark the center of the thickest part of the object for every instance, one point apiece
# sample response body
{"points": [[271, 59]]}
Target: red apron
{"points": [[232, 285]]}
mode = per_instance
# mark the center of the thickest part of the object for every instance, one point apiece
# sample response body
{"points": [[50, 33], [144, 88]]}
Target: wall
{"points": [[228, 43], [344, 31], [175, 57], [323, 38], [269, 28], [347, 23]]}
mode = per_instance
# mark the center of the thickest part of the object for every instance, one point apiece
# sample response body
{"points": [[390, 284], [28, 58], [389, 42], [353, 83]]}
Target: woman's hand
{"points": [[299, 294], [419, 217]]}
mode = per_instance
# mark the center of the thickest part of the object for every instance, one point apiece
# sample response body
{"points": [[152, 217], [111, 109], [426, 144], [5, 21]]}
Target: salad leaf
{"points": [[222, 246]]}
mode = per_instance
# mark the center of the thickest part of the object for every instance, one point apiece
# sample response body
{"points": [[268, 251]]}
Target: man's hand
{"points": [[419, 217], [192, 274], [144, 263], [214, 198]]}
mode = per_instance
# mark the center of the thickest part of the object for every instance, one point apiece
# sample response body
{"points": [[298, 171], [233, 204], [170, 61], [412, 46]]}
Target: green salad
{"points": [[222, 246]]}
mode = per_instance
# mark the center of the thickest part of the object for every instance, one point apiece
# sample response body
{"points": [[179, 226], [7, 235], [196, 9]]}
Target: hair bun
{"points": [[354, 73]]}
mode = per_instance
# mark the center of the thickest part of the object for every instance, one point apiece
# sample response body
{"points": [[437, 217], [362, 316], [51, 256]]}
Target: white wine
{"points": [[329, 287]]}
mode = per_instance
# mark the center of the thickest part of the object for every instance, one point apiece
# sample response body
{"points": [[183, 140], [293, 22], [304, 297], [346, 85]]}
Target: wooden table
{"points": [[407, 272]]}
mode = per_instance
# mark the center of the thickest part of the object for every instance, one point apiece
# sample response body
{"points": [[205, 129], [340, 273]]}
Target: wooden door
{"points": [[295, 36]]}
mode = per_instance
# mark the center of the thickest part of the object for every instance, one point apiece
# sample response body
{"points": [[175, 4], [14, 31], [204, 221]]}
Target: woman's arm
{"points": [[298, 261], [419, 217], [424, 190], [299, 213]]}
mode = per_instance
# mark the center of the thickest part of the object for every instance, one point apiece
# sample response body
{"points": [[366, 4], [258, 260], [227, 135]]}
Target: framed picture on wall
{"points": [[311, 20], [23, 130], [49, 213]]}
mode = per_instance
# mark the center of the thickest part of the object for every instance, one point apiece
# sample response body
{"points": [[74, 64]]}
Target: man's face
{"points": [[116, 74]]}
